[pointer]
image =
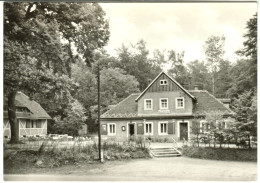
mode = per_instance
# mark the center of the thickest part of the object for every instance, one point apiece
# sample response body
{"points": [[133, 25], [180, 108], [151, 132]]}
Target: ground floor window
{"points": [[221, 125], [33, 123], [28, 123], [38, 124], [148, 128], [163, 128], [111, 129]]}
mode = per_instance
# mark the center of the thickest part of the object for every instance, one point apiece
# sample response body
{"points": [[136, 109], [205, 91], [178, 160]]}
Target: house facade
{"points": [[165, 109], [32, 118]]}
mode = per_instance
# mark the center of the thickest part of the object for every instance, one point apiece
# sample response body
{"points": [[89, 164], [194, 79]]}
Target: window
{"points": [[180, 103], [38, 124], [148, 104], [111, 129], [28, 123], [148, 128], [19, 109], [34, 123], [163, 82], [204, 126], [163, 128], [163, 103], [224, 125], [220, 124]]}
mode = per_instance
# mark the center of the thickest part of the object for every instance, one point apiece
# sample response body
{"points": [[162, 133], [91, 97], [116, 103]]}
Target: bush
{"points": [[220, 154], [60, 156]]}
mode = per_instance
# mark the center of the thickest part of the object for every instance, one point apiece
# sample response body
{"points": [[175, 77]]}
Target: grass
{"points": [[57, 157], [231, 154]]}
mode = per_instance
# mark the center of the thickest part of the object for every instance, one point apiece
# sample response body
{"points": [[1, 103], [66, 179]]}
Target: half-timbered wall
{"points": [[26, 131]]}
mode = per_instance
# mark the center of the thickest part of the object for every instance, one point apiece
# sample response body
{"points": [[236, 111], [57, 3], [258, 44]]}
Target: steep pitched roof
{"points": [[173, 80], [207, 102], [37, 112], [127, 108]]}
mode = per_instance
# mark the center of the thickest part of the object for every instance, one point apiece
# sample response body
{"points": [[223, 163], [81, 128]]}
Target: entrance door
{"points": [[131, 131], [183, 131]]}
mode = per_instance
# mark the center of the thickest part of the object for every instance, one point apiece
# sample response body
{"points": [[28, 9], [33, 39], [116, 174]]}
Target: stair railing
{"points": [[175, 145]]}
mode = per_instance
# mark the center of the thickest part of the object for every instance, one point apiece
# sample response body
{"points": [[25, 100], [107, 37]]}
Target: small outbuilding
{"points": [[32, 118]]}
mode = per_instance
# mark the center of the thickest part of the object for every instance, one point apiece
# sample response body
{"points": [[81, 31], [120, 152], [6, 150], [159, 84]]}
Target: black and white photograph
{"points": [[129, 91]]}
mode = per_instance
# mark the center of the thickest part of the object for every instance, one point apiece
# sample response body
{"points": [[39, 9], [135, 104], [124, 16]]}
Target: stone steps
{"points": [[165, 152]]}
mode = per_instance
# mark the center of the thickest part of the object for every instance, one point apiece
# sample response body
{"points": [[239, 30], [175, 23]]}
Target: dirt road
{"points": [[157, 169]]}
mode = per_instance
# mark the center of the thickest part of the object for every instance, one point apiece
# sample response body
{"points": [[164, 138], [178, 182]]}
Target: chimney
{"points": [[196, 87]]}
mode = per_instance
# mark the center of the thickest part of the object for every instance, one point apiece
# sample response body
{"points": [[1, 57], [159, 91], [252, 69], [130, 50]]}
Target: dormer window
{"points": [[163, 82], [180, 103], [148, 104]]}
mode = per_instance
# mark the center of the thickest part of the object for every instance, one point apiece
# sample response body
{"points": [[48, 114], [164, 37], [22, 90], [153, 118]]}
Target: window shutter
{"points": [[104, 129], [140, 128], [171, 128]]}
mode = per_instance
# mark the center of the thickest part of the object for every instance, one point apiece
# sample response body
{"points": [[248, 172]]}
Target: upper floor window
{"points": [[163, 82], [180, 103], [148, 104], [163, 103]]}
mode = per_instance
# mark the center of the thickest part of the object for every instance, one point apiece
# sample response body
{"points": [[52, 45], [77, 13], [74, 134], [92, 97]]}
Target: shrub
{"points": [[220, 154], [58, 156]]}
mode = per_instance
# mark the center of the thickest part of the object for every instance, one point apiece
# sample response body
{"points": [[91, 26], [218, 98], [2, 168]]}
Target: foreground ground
{"points": [[156, 169]]}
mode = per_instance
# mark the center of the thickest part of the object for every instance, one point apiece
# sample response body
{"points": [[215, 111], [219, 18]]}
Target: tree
{"points": [[245, 107], [250, 45], [38, 44], [199, 74], [214, 51], [223, 79], [135, 62], [177, 70], [73, 121], [244, 73], [215, 120], [115, 86]]}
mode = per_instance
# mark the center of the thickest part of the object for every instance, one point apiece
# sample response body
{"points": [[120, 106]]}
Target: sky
{"points": [[178, 26]]}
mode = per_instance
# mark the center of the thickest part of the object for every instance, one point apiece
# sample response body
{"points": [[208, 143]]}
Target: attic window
{"points": [[163, 82]]}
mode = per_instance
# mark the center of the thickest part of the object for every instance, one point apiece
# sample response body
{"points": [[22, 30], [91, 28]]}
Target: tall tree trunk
{"points": [[213, 85], [12, 118], [249, 142]]}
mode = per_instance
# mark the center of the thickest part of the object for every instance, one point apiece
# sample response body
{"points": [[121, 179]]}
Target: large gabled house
{"points": [[163, 109], [32, 118]]}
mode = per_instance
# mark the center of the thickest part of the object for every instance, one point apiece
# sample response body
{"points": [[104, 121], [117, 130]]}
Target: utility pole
{"points": [[99, 128]]}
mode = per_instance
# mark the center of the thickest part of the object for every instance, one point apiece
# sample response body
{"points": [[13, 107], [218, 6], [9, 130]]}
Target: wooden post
{"points": [[99, 128]]}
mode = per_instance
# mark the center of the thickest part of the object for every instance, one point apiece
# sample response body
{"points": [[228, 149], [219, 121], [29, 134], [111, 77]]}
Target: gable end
{"points": [[156, 85]]}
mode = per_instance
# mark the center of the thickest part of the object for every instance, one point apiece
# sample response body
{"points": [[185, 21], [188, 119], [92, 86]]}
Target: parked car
{"points": [[53, 136]]}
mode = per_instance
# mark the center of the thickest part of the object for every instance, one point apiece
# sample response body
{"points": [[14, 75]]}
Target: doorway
{"points": [[183, 131], [131, 131]]}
